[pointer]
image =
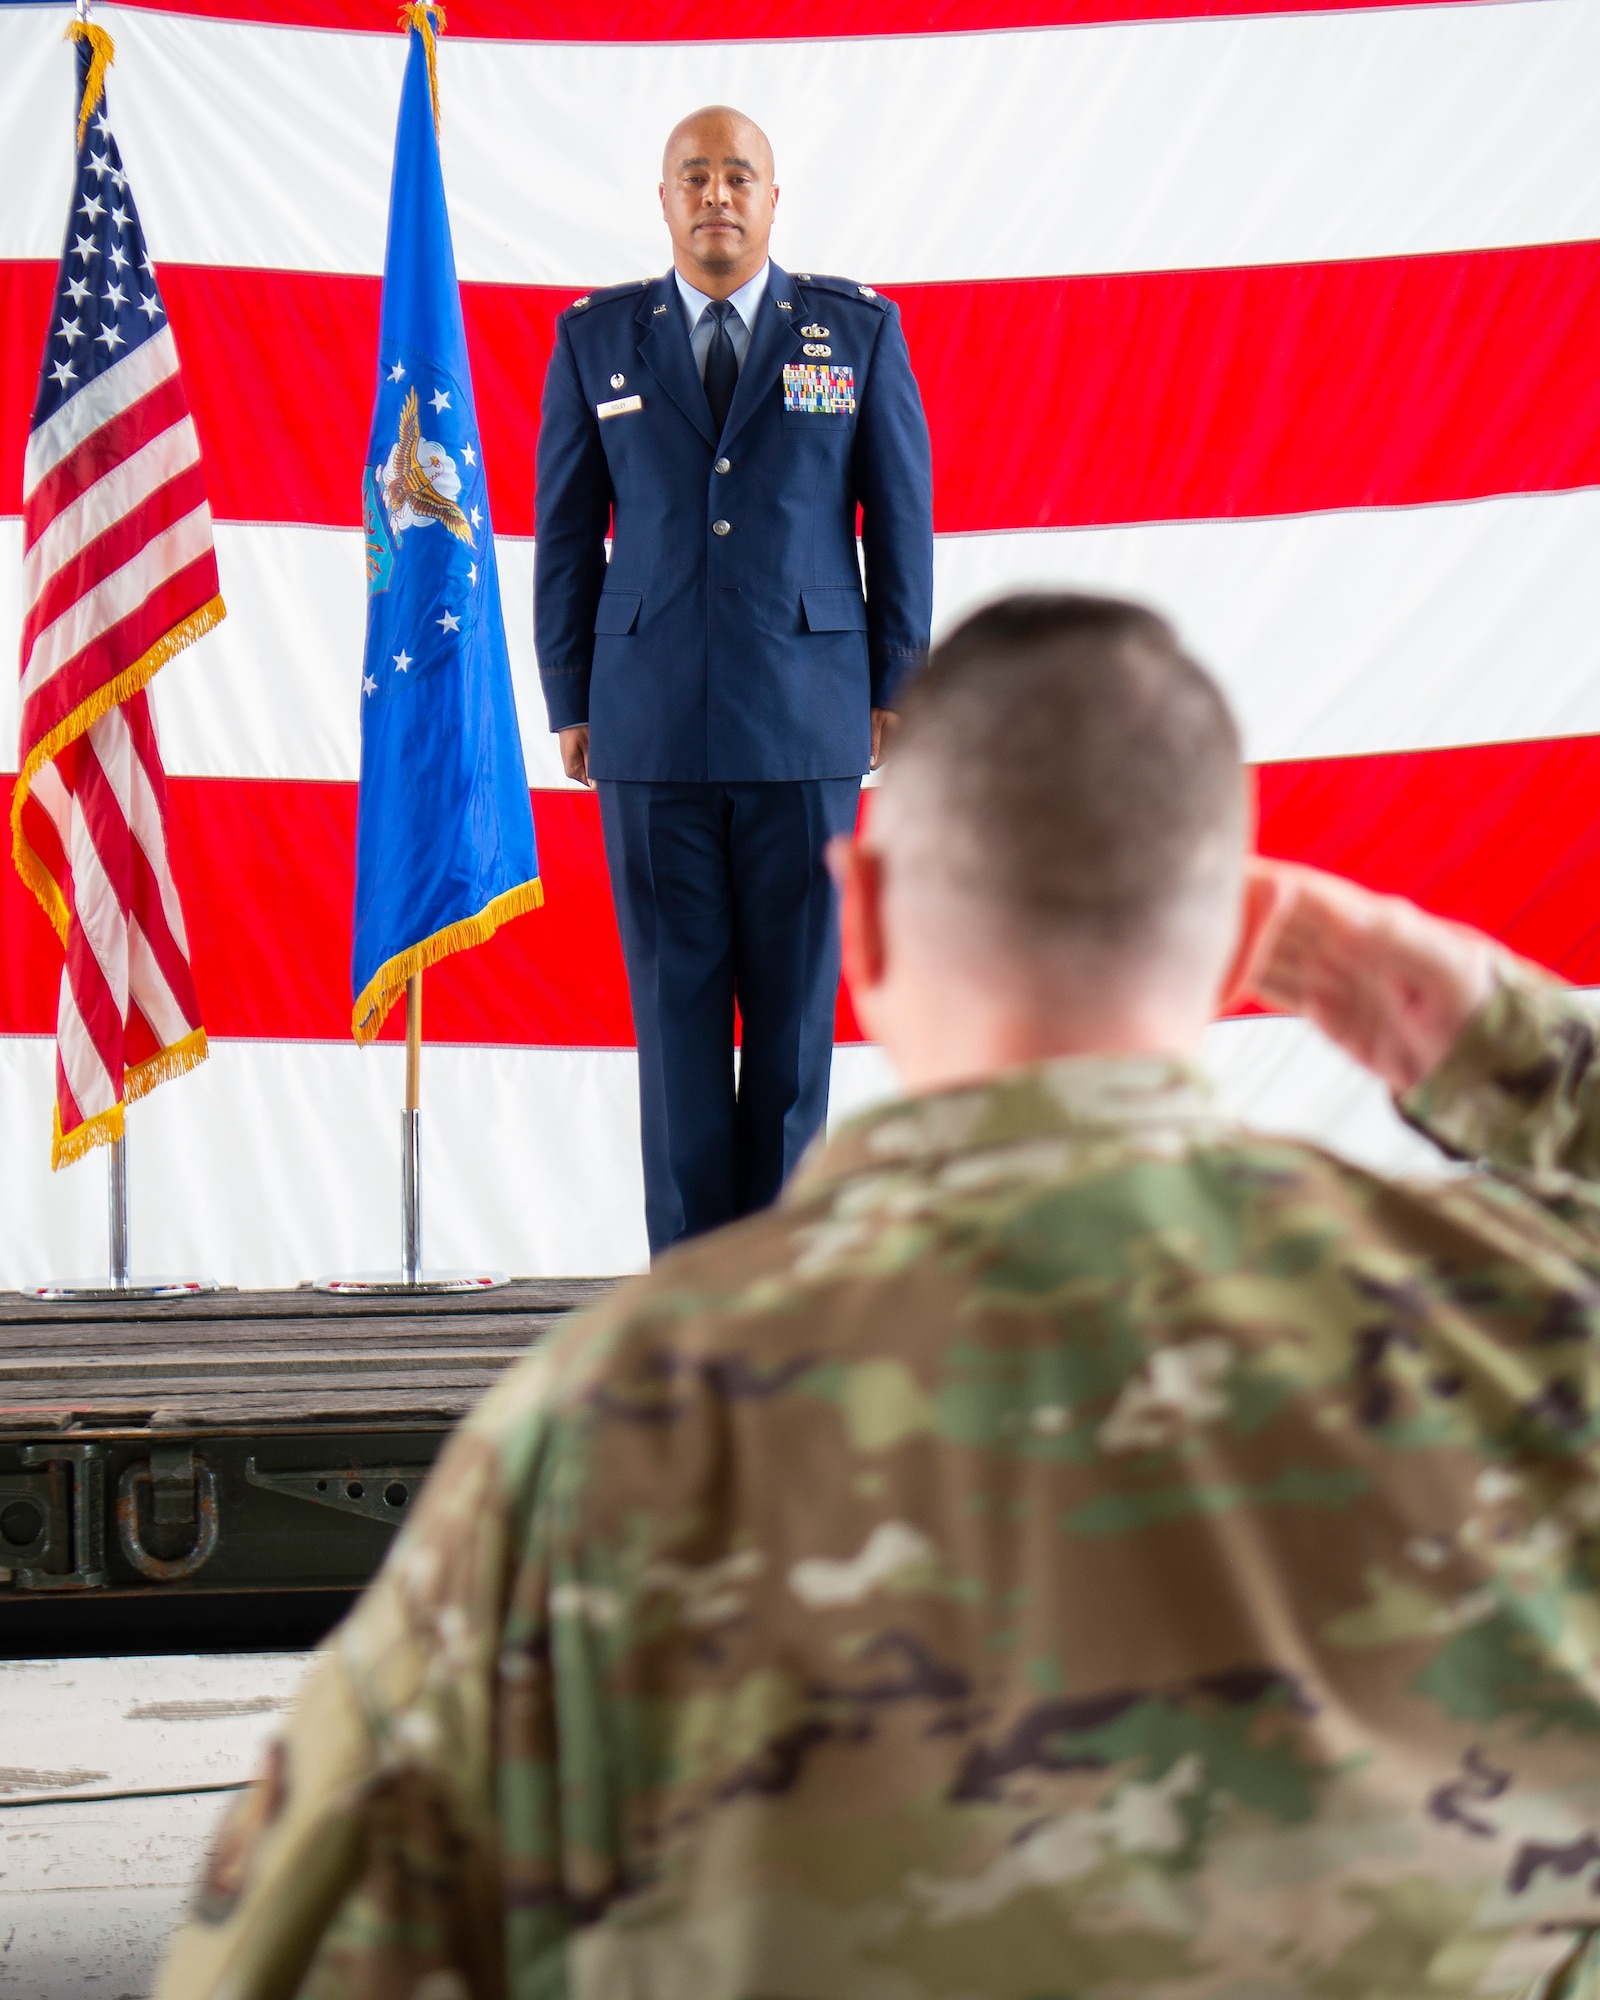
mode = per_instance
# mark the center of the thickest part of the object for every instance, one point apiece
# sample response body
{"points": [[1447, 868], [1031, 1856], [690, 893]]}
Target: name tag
{"points": [[620, 407], [817, 391]]}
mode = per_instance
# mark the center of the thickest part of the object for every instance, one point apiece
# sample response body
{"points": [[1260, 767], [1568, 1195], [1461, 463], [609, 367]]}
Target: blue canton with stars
{"points": [[444, 826], [107, 302]]}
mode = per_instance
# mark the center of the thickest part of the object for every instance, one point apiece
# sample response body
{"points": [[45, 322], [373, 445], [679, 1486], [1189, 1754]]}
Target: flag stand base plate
{"points": [[135, 1288], [368, 1282]]}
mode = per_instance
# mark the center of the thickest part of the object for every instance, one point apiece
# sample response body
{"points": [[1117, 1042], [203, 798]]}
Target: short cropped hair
{"points": [[1068, 766]]}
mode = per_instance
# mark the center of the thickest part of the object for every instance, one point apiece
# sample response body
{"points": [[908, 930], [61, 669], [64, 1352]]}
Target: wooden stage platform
{"points": [[224, 1471]]}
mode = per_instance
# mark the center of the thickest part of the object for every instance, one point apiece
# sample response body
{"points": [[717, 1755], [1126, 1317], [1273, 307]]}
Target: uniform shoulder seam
{"points": [[846, 287], [601, 298]]}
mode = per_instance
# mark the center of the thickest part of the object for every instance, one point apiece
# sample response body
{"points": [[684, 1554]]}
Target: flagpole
{"points": [[117, 1190], [411, 1140]]}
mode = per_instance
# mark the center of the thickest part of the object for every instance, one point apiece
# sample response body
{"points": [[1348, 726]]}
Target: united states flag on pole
{"points": [[119, 573]]}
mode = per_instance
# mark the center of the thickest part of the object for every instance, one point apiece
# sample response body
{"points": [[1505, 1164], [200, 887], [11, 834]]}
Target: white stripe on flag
{"points": [[110, 601], [96, 403], [99, 909], [130, 482], [56, 801], [144, 819], [87, 1076], [151, 994], [1336, 634], [1132, 146]]}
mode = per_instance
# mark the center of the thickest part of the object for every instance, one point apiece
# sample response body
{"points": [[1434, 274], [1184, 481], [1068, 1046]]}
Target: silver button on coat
{"points": [[721, 527], [723, 465]]}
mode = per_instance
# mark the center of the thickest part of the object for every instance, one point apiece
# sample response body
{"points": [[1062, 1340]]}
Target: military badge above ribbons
{"points": [[444, 830]]}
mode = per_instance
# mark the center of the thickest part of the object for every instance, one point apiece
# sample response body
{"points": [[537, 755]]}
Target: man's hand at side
{"points": [[575, 753], [1391, 985], [884, 723]]}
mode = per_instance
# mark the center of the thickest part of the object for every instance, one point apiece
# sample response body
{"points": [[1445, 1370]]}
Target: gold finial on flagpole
{"points": [[102, 54], [427, 18]]}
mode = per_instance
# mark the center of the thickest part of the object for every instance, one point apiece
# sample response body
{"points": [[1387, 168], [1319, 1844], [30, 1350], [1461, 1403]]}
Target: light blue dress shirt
{"points": [[745, 302]]}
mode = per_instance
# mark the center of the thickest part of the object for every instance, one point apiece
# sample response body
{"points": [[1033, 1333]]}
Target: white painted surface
{"points": [[75, 1729], [92, 1883], [1334, 635]]}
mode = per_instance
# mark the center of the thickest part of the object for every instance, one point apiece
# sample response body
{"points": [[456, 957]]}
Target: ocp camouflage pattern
{"points": [[1071, 1547]]}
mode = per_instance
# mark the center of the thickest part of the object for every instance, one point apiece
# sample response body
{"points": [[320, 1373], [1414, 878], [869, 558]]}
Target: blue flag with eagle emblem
{"points": [[444, 830]]}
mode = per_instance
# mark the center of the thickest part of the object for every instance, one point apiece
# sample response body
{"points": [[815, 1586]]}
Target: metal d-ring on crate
{"points": [[179, 1470]]}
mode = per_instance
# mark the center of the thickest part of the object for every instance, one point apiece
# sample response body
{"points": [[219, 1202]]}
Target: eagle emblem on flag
{"points": [[420, 480]]}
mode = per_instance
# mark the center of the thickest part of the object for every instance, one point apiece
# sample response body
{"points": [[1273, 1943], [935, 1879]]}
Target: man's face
{"points": [[718, 197]]}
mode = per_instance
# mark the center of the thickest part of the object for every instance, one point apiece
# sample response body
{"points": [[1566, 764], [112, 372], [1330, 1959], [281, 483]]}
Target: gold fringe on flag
{"points": [[102, 54], [389, 981], [106, 1127], [427, 19], [112, 695]]}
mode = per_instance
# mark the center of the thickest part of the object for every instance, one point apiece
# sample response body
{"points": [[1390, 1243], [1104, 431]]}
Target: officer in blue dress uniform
{"points": [[724, 679]]}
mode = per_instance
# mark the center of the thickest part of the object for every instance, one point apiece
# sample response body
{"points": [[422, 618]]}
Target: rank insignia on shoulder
{"points": [[866, 291], [819, 350], [819, 392], [814, 332], [579, 304]]}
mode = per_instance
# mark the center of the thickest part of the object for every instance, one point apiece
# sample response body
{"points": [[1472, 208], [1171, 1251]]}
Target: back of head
{"points": [[1067, 787]]}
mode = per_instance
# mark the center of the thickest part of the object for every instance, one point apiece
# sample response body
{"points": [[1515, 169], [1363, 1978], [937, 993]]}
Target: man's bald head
{"points": [[717, 131], [718, 196], [1064, 818]]}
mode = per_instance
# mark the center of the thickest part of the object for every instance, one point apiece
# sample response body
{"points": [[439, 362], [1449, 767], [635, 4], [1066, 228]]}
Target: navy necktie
{"points": [[722, 364]]}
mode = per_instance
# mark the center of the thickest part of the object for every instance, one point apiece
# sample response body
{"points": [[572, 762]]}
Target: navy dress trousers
{"points": [[727, 659]]}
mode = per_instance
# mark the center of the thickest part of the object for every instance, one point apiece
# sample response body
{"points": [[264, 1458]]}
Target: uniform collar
{"points": [[1146, 1100], [746, 301]]}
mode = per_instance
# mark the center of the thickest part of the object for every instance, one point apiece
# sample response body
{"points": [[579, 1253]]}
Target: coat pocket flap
{"points": [[834, 607], [617, 612]]}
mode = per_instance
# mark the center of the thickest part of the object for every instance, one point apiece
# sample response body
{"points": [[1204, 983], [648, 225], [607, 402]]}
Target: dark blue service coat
{"points": [[729, 638]]}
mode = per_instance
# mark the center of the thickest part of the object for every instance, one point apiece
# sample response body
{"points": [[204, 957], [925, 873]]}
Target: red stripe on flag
{"points": [[149, 906], [767, 20], [1166, 396], [1153, 396], [173, 600], [119, 543], [102, 451], [1504, 836]]}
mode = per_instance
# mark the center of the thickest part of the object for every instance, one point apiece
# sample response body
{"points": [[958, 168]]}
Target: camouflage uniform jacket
{"points": [[1070, 1546]]}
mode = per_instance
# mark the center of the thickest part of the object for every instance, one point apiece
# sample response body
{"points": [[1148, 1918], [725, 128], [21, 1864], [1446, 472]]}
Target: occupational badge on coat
{"points": [[818, 350], [814, 332], [819, 392]]}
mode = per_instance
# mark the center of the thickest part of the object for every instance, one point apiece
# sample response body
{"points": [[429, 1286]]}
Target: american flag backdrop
{"points": [[119, 574], [1284, 317]]}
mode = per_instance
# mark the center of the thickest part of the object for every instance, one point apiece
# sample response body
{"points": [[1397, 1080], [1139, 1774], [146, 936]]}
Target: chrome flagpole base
{"points": [[409, 1278], [134, 1288], [369, 1282], [121, 1286]]}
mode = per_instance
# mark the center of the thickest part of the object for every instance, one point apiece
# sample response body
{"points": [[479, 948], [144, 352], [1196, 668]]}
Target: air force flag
{"points": [[444, 836]]}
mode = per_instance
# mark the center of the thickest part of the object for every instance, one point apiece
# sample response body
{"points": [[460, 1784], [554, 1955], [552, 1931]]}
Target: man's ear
{"points": [[1261, 902], [858, 874]]}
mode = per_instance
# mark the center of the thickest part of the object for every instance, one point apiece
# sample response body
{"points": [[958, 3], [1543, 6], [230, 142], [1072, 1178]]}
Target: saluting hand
{"points": [[1393, 986]]}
